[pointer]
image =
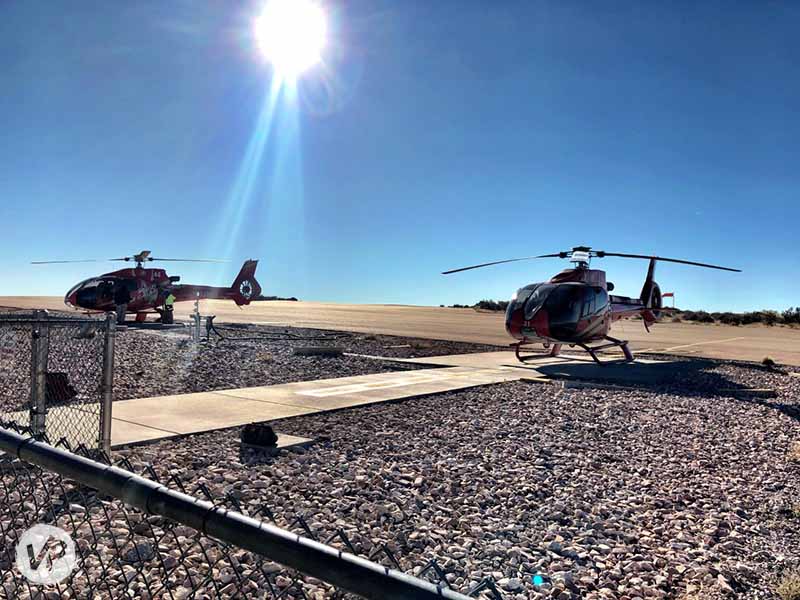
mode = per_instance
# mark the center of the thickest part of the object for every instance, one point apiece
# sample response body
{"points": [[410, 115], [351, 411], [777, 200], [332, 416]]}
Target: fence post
{"points": [[196, 320], [108, 383], [40, 345]]}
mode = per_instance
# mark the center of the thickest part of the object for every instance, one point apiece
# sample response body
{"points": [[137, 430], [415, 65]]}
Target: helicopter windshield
{"points": [[565, 303], [93, 292]]}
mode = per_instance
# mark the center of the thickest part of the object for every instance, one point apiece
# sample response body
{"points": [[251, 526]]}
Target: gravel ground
{"points": [[670, 492], [158, 364], [673, 491]]}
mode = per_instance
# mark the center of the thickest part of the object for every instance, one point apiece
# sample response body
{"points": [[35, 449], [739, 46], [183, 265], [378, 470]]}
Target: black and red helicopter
{"points": [[149, 288], [575, 308]]}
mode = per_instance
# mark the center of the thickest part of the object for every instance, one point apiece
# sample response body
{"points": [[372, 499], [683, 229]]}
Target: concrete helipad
{"points": [[148, 419]]}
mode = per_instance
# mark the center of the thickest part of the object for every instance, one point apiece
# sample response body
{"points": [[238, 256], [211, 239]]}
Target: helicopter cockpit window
{"points": [[595, 300], [105, 290], [589, 301], [601, 298], [524, 293], [567, 305], [537, 298]]}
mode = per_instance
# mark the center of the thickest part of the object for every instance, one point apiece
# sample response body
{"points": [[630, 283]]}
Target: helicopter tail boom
{"points": [[244, 289]]}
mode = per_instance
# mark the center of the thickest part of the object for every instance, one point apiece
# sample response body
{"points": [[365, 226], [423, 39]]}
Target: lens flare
{"points": [[291, 34]]}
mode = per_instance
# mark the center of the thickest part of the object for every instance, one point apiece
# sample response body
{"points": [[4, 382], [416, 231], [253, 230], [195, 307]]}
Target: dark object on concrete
{"points": [[259, 434], [59, 389], [318, 351]]}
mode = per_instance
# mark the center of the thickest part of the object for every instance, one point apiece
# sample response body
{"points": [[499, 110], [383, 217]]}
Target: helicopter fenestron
{"points": [[149, 288], [575, 308]]}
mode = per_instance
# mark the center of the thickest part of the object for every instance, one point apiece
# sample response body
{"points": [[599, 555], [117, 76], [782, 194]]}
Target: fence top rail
{"points": [[346, 571]]}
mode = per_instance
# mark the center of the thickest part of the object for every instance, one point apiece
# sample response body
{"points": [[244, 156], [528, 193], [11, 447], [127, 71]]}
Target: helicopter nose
{"points": [[514, 319], [71, 299]]}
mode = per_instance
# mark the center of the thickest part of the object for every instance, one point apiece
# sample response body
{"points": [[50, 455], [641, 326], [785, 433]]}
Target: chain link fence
{"points": [[140, 537], [56, 376]]}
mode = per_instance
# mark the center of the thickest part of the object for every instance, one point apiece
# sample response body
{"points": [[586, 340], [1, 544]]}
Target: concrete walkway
{"points": [[147, 419], [166, 416]]}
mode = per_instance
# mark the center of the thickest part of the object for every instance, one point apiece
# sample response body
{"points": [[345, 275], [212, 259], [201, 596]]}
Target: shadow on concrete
{"points": [[684, 376], [630, 374]]}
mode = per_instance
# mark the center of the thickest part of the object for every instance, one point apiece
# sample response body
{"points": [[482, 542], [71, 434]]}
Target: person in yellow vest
{"points": [[167, 315]]}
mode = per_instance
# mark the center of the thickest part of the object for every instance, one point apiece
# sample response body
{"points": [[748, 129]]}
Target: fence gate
{"points": [[56, 376]]}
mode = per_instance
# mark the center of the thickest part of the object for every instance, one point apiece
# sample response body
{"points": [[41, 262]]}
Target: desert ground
{"points": [[751, 343]]}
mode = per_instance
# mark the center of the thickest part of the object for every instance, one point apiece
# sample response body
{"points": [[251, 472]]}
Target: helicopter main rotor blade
{"points": [[54, 262], [601, 254], [500, 262], [126, 259], [198, 260]]}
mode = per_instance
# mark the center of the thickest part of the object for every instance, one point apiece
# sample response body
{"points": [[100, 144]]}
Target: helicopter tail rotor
{"points": [[245, 287], [651, 295]]}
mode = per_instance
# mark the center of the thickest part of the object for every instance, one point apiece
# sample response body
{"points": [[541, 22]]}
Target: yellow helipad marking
{"points": [[701, 343]]}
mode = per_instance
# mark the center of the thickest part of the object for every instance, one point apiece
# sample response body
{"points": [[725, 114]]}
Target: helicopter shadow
{"points": [[679, 375]]}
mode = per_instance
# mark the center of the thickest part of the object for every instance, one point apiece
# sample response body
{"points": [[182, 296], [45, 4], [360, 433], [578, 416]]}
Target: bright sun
{"points": [[291, 34]]}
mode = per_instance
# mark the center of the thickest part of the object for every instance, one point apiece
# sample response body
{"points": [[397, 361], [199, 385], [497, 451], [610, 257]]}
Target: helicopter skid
{"points": [[613, 342], [555, 349]]}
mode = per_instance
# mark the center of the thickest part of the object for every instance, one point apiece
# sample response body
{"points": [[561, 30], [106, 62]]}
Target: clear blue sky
{"points": [[447, 133]]}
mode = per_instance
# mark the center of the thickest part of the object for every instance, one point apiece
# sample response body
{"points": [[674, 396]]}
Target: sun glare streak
{"points": [[285, 236], [240, 199]]}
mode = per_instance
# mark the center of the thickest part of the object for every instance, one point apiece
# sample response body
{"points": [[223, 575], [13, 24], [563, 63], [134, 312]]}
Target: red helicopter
{"points": [[149, 288], [575, 308]]}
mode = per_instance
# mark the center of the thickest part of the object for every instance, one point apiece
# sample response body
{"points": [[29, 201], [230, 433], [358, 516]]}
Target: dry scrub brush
{"points": [[794, 453], [789, 586]]}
